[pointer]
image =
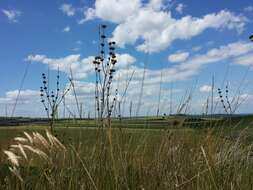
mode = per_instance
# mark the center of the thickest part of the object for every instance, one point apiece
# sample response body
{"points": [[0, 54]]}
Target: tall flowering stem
{"points": [[104, 65], [51, 99]]}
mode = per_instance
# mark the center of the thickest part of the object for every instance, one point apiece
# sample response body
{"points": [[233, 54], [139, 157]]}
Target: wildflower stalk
{"points": [[104, 71], [51, 101]]}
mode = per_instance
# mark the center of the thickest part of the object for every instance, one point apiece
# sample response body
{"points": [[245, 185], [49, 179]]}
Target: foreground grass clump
{"points": [[129, 159]]}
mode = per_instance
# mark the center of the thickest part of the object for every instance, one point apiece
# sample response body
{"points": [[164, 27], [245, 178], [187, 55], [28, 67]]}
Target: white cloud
{"points": [[158, 4], [149, 24], [12, 15], [178, 57], [205, 88], [66, 29], [180, 8], [230, 51], [179, 72], [89, 14], [246, 60], [25, 96], [116, 10], [68, 9], [81, 68], [159, 29], [84, 88], [192, 66], [28, 103], [125, 60], [248, 9], [246, 97]]}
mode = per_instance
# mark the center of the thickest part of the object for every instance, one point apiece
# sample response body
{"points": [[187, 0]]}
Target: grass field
{"points": [[147, 156]]}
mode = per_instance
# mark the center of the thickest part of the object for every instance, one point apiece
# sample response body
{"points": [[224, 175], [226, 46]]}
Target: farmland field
{"points": [[172, 156]]}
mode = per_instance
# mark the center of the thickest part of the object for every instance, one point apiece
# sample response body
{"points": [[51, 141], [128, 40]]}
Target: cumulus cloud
{"points": [[178, 57], [182, 71], [154, 26], [125, 60], [158, 4], [28, 104], [192, 66], [237, 52], [205, 88], [25, 96], [80, 67], [68, 9], [159, 29], [12, 15], [116, 10], [230, 51]]}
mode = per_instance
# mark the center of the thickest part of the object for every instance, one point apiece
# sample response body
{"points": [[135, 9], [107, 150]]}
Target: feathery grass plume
{"points": [[35, 144], [55, 142], [29, 138], [20, 139], [22, 151], [40, 140], [171, 159], [13, 158], [37, 151]]}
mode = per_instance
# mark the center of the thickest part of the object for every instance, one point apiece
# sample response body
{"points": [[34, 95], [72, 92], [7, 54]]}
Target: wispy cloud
{"points": [[12, 15], [66, 29], [180, 8], [89, 14], [68, 9], [178, 57], [248, 9]]}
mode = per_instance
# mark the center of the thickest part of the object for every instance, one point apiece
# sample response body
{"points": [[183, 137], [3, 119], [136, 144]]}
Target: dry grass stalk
{"points": [[33, 146]]}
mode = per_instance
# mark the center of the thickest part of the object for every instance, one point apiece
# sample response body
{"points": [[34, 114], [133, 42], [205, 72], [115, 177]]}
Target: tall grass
{"points": [[180, 159]]}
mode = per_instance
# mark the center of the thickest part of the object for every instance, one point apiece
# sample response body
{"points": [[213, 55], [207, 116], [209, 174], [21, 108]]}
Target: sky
{"points": [[178, 46]]}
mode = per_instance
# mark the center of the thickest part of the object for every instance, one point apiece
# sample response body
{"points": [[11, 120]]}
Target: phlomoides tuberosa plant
{"points": [[51, 99], [104, 65], [230, 105]]}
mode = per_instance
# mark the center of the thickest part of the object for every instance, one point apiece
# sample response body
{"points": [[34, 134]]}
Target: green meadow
{"points": [[141, 153]]}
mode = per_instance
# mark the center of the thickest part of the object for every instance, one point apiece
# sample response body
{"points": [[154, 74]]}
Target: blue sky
{"points": [[186, 41]]}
